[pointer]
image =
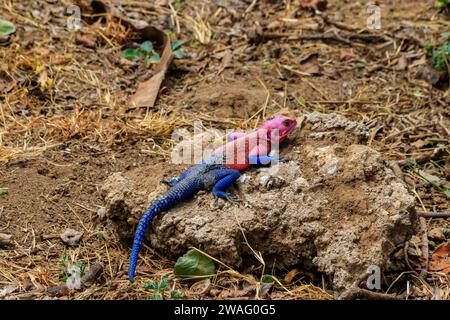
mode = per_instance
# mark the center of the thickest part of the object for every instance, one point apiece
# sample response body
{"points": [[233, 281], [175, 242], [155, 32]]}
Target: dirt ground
{"points": [[65, 125]]}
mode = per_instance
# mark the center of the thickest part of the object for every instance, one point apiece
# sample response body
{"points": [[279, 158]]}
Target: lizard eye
{"points": [[286, 123]]}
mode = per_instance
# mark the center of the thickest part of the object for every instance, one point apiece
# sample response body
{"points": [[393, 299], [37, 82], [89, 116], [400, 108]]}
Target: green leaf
{"points": [[411, 162], [194, 264], [157, 286], [157, 296], [177, 295], [428, 45], [3, 192], [267, 278], [445, 35], [101, 236], [147, 47], [446, 191], [265, 63], [154, 58], [6, 28], [178, 53], [131, 54], [163, 284], [177, 43], [152, 285]]}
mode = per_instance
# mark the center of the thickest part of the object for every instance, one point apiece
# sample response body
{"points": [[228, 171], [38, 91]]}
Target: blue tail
{"points": [[183, 190]]}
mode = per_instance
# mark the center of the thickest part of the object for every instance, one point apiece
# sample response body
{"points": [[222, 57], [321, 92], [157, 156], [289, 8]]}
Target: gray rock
{"points": [[336, 207]]}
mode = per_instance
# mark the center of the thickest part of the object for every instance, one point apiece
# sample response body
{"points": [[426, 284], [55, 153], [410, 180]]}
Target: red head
{"points": [[284, 125]]}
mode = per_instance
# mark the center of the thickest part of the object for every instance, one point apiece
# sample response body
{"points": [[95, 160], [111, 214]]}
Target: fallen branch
{"points": [[423, 225], [358, 293], [297, 37], [429, 214]]}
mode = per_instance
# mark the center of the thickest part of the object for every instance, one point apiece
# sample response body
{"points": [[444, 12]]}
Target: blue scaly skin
{"points": [[196, 178]]}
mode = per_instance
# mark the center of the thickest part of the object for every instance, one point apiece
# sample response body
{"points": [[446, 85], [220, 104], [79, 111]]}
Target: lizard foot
{"points": [[233, 198], [169, 182]]}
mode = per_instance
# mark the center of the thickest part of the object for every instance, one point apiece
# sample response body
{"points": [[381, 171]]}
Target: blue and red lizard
{"points": [[217, 172]]}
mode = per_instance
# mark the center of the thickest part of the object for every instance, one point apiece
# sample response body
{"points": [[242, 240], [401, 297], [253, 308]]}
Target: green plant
{"points": [[3, 192], [440, 54], [194, 265], [100, 235], [71, 269], [177, 51], [145, 51], [441, 4], [157, 287], [6, 28]]}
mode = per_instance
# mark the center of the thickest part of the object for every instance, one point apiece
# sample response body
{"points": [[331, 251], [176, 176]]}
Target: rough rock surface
{"points": [[335, 207]]}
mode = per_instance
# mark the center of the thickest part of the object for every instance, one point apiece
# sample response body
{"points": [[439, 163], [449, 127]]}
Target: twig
{"points": [[358, 293], [405, 253], [423, 224], [296, 37], [251, 6], [430, 214]]}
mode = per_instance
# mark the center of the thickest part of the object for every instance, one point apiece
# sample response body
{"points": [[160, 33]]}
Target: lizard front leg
{"points": [[224, 178], [260, 156]]}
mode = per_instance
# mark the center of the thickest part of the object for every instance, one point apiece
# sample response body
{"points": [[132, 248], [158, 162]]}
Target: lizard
{"points": [[217, 172]]}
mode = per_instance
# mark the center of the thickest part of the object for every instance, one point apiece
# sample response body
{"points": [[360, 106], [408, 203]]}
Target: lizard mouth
{"points": [[284, 133]]}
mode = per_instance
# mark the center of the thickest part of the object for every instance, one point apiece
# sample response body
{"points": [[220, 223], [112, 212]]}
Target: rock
{"points": [[434, 180], [335, 207], [101, 213], [436, 234], [71, 237], [5, 239]]}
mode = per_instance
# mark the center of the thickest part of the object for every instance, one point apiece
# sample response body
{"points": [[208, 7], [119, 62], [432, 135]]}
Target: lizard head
{"points": [[285, 125]]}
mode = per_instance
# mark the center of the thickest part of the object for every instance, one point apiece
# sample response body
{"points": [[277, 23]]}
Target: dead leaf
{"points": [[147, 92], [42, 80], [311, 67], [84, 40], [428, 74], [60, 59], [436, 234], [402, 63], [320, 5], [58, 291], [435, 180], [419, 144], [92, 274], [440, 260], [291, 275], [274, 25], [418, 62], [347, 54], [7, 82], [200, 287], [238, 293]]}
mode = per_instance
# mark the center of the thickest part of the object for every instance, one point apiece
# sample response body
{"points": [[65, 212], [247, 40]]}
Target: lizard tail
{"points": [[156, 207], [178, 193]]}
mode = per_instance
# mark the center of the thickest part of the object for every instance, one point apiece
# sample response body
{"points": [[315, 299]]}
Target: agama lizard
{"points": [[217, 172]]}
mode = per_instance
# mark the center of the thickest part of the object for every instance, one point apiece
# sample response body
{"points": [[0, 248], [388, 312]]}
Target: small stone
{"points": [[436, 234], [101, 213], [331, 169], [71, 237]]}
